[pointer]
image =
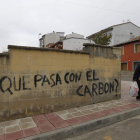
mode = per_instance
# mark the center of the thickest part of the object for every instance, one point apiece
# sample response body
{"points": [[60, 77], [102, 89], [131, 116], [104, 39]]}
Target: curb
{"points": [[88, 126]]}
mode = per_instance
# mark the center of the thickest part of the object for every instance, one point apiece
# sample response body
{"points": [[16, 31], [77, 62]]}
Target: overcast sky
{"points": [[22, 20]]}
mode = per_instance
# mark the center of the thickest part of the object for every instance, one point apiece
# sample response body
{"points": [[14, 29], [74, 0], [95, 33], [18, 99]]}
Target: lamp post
{"points": [[39, 38]]}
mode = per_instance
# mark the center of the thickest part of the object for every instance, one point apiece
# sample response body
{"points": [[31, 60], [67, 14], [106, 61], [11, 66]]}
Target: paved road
{"points": [[126, 78], [124, 130]]}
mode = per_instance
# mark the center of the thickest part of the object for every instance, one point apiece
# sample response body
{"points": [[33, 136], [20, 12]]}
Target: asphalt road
{"points": [[124, 130], [126, 78]]}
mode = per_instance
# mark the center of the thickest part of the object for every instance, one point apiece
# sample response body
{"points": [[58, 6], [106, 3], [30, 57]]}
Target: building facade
{"points": [[130, 54], [120, 33], [75, 42], [50, 38], [71, 41]]}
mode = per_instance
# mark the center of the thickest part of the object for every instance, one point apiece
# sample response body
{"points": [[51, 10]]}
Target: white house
{"points": [[75, 42], [57, 40], [120, 32], [51, 38]]}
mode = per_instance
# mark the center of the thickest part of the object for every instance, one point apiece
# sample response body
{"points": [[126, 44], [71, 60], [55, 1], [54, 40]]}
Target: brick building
{"points": [[130, 54]]}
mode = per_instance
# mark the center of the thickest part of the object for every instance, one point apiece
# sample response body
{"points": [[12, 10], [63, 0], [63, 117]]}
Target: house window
{"points": [[135, 64], [59, 45], [124, 66], [137, 48], [122, 50]]}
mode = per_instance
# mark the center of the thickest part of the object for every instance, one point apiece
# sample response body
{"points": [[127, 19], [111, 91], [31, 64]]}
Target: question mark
{"points": [[117, 85]]}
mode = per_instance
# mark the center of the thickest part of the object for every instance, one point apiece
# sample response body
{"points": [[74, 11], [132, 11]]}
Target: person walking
{"points": [[136, 77]]}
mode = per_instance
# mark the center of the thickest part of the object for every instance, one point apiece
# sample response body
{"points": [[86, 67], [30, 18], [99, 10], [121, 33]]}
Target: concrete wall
{"points": [[126, 86], [127, 72], [122, 32], [38, 80], [75, 43]]}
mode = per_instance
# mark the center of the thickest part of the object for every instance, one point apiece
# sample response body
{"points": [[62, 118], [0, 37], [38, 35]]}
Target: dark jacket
{"points": [[136, 76]]}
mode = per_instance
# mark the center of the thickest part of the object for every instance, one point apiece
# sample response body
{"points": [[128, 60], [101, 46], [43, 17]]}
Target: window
{"points": [[122, 51], [59, 45], [135, 64], [124, 66], [137, 48]]}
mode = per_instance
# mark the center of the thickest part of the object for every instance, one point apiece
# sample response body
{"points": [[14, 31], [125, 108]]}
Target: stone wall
{"points": [[40, 80], [127, 72]]}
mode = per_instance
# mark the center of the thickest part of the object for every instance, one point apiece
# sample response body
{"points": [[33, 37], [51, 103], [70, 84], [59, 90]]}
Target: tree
{"points": [[102, 39]]}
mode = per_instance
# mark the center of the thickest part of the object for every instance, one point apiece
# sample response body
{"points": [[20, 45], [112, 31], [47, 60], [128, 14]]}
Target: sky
{"points": [[21, 21]]}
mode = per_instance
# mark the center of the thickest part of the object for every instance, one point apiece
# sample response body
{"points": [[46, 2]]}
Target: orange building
{"points": [[130, 55]]}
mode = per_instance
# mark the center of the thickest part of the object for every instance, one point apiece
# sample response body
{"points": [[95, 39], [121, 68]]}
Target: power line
{"points": [[98, 8]]}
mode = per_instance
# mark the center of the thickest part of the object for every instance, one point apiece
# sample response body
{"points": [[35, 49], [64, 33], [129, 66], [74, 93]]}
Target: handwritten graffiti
{"points": [[97, 89], [8, 87], [55, 79]]}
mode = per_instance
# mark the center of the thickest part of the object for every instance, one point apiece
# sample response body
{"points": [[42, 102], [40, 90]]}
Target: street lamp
{"points": [[39, 38]]}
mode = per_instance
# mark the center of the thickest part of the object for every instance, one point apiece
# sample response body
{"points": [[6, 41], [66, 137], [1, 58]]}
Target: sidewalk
{"points": [[77, 119]]}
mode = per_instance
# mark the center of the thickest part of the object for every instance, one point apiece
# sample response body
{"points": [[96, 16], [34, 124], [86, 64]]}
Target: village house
{"points": [[49, 39], [120, 32], [57, 40], [130, 54]]}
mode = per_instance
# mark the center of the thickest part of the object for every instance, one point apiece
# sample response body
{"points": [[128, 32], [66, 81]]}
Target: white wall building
{"points": [[75, 42], [121, 32], [72, 41], [50, 38]]}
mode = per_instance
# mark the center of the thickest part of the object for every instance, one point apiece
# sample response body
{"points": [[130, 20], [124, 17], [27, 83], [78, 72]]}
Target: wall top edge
{"points": [[4, 54], [44, 49], [91, 44], [118, 48]]}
